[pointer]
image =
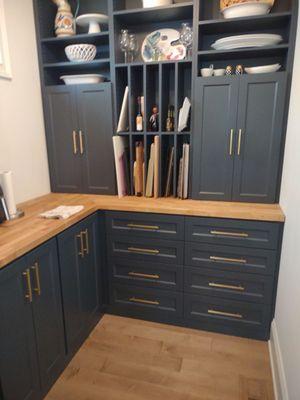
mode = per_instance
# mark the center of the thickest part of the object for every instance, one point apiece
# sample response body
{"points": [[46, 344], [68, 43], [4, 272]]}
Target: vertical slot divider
{"points": [[146, 152], [131, 160], [129, 98], [176, 131], [160, 69], [175, 165]]}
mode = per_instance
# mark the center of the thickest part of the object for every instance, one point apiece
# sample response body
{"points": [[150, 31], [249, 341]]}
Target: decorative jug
{"points": [[64, 20]]}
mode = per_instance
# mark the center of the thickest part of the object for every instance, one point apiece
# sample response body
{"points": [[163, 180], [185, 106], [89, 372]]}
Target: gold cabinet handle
{"points": [[28, 295], [75, 149], [236, 260], [225, 314], [239, 142], [87, 246], [142, 301], [150, 227], [81, 142], [147, 276], [81, 252], [36, 270], [234, 234], [231, 142], [142, 251], [222, 286]]}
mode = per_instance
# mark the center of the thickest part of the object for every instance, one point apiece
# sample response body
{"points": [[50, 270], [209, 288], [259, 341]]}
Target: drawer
{"points": [[230, 285], [146, 225], [153, 250], [239, 259], [228, 316], [147, 302], [264, 235], [142, 273]]}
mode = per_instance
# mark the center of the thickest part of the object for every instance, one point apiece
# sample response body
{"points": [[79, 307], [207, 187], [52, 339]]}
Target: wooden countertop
{"points": [[20, 236]]}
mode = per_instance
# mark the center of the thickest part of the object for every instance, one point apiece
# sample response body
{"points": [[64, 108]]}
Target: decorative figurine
{"points": [[64, 20], [153, 121], [229, 70], [239, 70]]}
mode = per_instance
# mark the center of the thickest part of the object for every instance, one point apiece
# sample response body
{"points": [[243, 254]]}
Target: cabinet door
{"points": [[214, 128], [47, 311], [260, 128], [19, 373], [63, 139], [95, 121]]}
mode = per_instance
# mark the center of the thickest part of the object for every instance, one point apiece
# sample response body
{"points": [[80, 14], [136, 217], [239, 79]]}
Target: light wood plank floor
{"points": [[128, 359]]}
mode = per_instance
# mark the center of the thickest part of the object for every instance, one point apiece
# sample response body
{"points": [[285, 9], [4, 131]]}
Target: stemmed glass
{"points": [[132, 47], [186, 38], [124, 43]]}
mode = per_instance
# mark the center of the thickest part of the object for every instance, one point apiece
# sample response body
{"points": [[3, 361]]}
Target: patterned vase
{"points": [[64, 20]]}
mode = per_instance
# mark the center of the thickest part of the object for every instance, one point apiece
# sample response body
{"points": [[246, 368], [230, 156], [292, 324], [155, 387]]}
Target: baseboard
{"points": [[278, 373]]}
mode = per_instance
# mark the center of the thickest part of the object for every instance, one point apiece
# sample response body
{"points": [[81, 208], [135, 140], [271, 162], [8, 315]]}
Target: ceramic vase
{"points": [[64, 20]]}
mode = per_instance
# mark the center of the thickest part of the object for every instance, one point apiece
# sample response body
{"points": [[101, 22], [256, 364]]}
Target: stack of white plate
{"points": [[252, 40], [263, 69]]}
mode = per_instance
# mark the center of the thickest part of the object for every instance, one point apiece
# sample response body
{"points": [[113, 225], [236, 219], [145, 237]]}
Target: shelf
{"points": [[141, 63], [174, 12], [94, 38], [76, 65]]}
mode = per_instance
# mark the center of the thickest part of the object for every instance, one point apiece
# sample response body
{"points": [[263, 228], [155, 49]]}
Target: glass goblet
{"points": [[124, 43], [186, 38]]}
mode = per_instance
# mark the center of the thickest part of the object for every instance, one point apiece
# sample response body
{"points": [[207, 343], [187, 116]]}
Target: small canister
{"points": [[239, 70], [229, 70]]}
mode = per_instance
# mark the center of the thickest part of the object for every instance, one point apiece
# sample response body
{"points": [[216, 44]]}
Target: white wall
{"points": [[287, 319], [22, 137]]}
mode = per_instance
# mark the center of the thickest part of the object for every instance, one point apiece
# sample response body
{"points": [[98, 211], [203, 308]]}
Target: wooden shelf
{"points": [[76, 65], [93, 38]]}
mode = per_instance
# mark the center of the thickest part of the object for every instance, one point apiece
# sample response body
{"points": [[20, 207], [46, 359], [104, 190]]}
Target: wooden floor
{"points": [[128, 359]]}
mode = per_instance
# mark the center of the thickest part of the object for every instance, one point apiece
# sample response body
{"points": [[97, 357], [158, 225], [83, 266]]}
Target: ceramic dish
{"points": [[156, 3], [228, 3], [236, 42], [163, 45], [92, 21], [82, 79], [81, 52], [263, 69], [246, 10]]}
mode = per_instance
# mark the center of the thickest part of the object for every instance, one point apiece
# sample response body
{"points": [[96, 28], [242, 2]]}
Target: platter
{"points": [[242, 41], [246, 9], [263, 69]]}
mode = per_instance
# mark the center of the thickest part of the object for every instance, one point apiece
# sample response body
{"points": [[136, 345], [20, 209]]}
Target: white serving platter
{"points": [[82, 79], [263, 69], [257, 40], [246, 10]]}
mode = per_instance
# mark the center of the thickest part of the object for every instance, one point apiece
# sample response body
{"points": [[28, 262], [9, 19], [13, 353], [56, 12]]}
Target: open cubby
{"points": [[167, 142], [152, 92], [184, 87], [167, 92], [121, 81], [136, 90]]}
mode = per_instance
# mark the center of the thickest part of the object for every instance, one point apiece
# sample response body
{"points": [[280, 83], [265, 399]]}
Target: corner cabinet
{"points": [[79, 138], [237, 137]]}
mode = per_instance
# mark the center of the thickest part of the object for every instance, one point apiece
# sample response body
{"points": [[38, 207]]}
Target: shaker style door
{"points": [[216, 102], [63, 139], [96, 131], [259, 137]]}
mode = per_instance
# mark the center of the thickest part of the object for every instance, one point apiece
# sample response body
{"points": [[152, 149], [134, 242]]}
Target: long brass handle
{"points": [[36, 270], [236, 260], [150, 227], [81, 142], [225, 314], [75, 149], [222, 286], [234, 234], [28, 295], [81, 252], [139, 250], [87, 246], [142, 301], [147, 276], [231, 142], [239, 142]]}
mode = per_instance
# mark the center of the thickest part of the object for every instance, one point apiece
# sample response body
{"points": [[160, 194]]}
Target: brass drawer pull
{"points": [[139, 250], [239, 142], [236, 260], [142, 301], [140, 275], [81, 252], [28, 295], [219, 285], [225, 314], [234, 234], [75, 149], [36, 270], [87, 246], [150, 227], [81, 142], [231, 142]]}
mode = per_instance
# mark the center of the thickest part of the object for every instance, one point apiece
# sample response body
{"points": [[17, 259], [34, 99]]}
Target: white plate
{"points": [[247, 41], [263, 69], [82, 79], [246, 10], [268, 36], [93, 21]]}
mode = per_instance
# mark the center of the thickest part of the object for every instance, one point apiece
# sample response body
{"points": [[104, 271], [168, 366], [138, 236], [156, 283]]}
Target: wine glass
{"points": [[132, 47], [124, 43], [186, 38]]}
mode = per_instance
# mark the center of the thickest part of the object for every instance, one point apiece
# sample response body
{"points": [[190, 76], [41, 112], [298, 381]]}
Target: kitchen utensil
{"points": [[206, 72], [81, 52], [219, 72], [93, 21]]}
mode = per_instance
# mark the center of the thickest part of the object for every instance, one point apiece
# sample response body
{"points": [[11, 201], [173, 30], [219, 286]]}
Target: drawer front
{"points": [[142, 273], [264, 235], [232, 315], [152, 250], [239, 259], [230, 285], [152, 302], [146, 225]]}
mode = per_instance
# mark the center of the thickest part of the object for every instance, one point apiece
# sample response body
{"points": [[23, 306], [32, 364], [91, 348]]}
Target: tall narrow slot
{"points": [[184, 90], [137, 98], [168, 98], [167, 165], [122, 109], [152, 97]]}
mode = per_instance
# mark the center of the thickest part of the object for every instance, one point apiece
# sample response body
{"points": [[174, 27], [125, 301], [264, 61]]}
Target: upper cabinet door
{"points": [[216, 102], [260, 128], [96, 131], [63, 139]]}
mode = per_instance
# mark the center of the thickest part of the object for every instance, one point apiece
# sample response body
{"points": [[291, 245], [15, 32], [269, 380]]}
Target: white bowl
{"points": [[206, 72], [263, 69], [246, 10], [82, 79], [81, 52], [219, 72], [156, 3]]}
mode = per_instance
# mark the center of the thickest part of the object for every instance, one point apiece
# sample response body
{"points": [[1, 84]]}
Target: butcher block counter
{"points": [[20, 236]]}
